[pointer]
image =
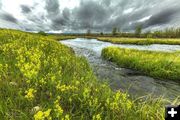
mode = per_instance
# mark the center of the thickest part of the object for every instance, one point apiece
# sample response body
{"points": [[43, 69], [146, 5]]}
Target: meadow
{"points": [[42, 79], [140, 41], [160, 65]]}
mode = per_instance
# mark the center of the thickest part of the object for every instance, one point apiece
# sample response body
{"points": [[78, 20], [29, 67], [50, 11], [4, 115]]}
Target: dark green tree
{"points": [[101, 33], [42, 33], [138, 30], [114, 31]]}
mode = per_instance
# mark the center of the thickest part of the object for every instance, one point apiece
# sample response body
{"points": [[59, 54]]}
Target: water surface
{"points": [[121, 78]]}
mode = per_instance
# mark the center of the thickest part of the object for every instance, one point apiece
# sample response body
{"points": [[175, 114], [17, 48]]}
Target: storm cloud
{"points": [[97, 15], [162, 17], [61, 20], [8, 17], [90, 14], [25, 9], [52, 8]]}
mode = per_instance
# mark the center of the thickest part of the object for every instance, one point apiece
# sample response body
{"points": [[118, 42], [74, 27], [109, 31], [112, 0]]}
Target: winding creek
{"points": [[121, 78]]}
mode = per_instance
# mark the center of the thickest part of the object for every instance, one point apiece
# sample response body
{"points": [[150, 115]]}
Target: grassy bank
{"points": [[42, 79], [61, 37], [156, 64], [140, 41]]}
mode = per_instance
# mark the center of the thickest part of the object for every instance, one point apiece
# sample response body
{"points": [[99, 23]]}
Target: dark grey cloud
{"points": [[62, 20], [52, 8], [36, 22], [90, 14], [162, 17], [8, 17], [59, 22], [53, 13], [25, 9], [104, 15], [66, 13]]}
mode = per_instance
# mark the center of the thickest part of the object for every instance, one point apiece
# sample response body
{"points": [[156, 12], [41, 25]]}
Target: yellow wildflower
{"points": [[30, 94], [63, 88], [97, 117], [47, 113], [86, 93], [129, 104], [58, 108], [42, 115], [66, 117], [39, 116]]}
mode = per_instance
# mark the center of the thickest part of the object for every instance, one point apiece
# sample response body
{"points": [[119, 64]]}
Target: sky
{"points": [[74, 16]]}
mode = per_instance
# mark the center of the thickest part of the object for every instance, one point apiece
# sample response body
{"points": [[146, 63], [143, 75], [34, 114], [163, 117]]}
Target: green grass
{"points": [[42, 79], [140, 41], [61, 37], [156, 64]]}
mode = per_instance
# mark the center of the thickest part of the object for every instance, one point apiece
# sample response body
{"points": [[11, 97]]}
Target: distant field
{"points": [[156, 64], [61, 37], [140, 41]]}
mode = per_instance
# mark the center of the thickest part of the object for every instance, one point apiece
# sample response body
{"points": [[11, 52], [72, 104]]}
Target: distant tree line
{"points": [[42, 33], [167, 33]]}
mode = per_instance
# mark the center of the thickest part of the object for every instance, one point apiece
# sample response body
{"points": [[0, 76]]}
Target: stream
{"points": [[135, 83]]}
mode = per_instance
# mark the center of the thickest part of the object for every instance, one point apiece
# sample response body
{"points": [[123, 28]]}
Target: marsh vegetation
{"points": [[161, 65], [140, 41]]}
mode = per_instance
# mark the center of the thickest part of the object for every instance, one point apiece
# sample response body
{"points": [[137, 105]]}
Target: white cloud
{"points": [[127, 11], [13, 7], [52, 31], [144, 19], [69, 4]]}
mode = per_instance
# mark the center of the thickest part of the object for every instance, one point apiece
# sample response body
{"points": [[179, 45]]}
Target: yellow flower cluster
{"points": [[40, 115], [97, 117], [118, 99], [29, 61], [93, 102], [42, 81], [86, 93], [66, 117], [3, 68], [63, 88], [52, 76], [58, 109], [30, 94]]}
